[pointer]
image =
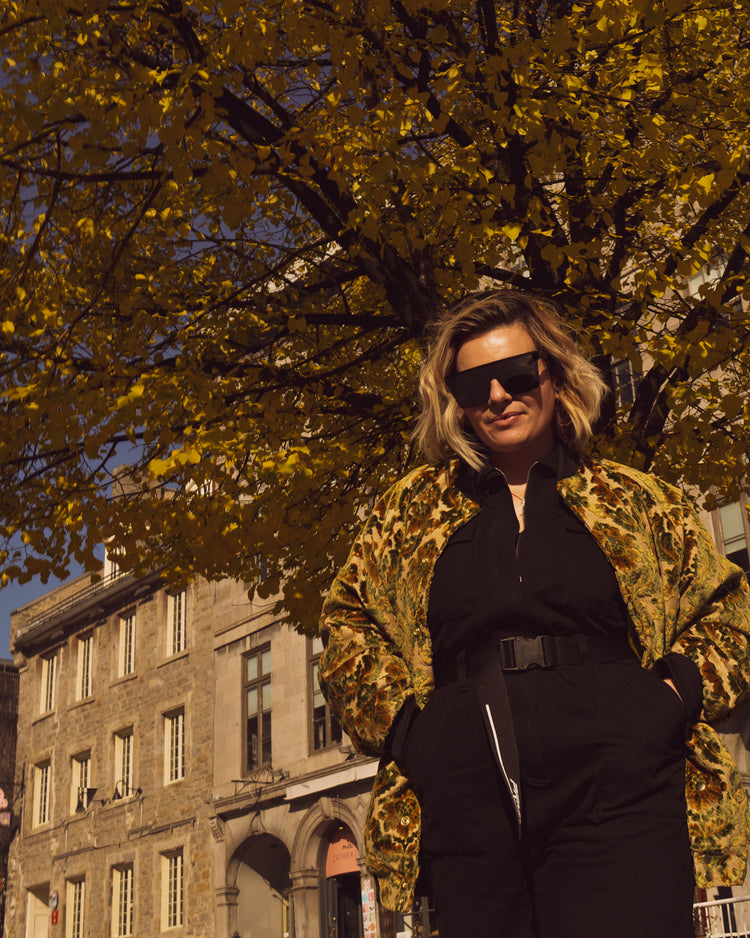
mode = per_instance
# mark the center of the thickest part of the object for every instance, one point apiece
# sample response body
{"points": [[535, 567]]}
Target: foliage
{"points": [[228, 225]]}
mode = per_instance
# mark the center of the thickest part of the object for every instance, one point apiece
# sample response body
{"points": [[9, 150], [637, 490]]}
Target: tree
{"points": [[229, 226]]}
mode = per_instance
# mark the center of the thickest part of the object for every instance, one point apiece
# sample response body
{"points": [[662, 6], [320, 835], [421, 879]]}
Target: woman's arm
{"points": [[713, 620], [363, 671]]}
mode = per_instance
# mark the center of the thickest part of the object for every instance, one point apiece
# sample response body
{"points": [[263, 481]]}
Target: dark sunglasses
{"points": [[517, 374]]}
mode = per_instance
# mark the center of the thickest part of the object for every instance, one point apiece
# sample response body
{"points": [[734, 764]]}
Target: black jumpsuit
{"points": [[604, 847]]}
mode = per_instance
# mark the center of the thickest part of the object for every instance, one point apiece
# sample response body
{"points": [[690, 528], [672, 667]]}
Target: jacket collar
{"points": [[559, 464]]}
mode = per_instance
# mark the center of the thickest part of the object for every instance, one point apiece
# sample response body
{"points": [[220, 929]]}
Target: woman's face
{"points": [[515, 427]]}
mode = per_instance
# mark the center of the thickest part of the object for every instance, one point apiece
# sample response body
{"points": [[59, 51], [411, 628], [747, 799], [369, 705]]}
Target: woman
{"points": [[532, 641]]}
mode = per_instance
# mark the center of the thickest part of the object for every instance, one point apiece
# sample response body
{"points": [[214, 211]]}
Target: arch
{"points": [[259, 872], [256, 829], [313, 831]]}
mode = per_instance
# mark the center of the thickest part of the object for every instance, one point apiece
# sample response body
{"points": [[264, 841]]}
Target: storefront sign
{"points": [[368, 907], [342, 854]]}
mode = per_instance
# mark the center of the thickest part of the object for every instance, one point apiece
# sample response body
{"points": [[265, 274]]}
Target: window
{"points": [[624, 383], [84, 686], [49, 683], [262, 562], [258, 709], [709, 273], [126, 652], [75, 891], [734, 540], [123, 764], [171, 890], [176, 622], [326, 730], [122, 901], [80, 792], [174, 746], [41, 804]]}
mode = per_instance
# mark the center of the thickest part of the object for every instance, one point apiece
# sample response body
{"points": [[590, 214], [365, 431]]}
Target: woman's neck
{"points": [[516, 467]]}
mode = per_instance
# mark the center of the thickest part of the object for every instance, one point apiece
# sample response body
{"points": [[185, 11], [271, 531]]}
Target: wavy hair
{"points": [[441, 432]]}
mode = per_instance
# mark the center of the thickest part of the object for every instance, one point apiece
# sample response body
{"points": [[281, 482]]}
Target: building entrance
{"points": [[38, 912], [344, 906], [343, 888]]}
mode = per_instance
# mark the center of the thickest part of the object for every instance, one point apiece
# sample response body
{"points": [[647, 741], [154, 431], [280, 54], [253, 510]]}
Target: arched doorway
{"points": [[263, 883], [342, 890]]}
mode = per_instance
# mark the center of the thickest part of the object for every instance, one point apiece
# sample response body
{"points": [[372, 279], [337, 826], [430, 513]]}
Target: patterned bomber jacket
{"points": [[681, 594]]}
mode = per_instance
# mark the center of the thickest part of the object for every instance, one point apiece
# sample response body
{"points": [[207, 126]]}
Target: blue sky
{"points": [[14, 596]]}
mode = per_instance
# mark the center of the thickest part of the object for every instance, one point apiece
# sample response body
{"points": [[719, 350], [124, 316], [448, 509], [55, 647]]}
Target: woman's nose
{"points": [[498, 394]]}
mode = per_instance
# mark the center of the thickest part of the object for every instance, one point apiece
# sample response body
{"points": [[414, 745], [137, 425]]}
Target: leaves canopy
{"points": [[228, 225]]}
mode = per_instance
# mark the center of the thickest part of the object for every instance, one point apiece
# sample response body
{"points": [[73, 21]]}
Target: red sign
{"points": [[342, 854], [53, 916]]}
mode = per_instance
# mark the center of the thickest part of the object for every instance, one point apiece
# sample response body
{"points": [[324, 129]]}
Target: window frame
{"points": [[123, 762], [730, 546], [174, 745], [176, 623], [75, 907], [262, 684], [80, 781], [331, 726], [126, 643], [48, 683], [172, 889], [123, 900], [85, 667], [42, 793]]}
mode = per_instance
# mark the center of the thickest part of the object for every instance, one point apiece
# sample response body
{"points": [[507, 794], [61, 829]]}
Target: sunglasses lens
{"points": [[519, 384], [518, 375]]}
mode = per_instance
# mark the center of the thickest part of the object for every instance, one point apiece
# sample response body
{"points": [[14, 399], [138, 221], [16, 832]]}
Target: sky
{"points": [[14, 596]]}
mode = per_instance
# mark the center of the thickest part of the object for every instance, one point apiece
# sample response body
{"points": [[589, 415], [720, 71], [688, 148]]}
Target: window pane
{"points": [[731, 521], [266, 724], [253, 756], [319, 727], [257, 692]]}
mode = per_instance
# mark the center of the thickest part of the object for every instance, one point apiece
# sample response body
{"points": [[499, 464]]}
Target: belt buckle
{"points": [[524, 653]]}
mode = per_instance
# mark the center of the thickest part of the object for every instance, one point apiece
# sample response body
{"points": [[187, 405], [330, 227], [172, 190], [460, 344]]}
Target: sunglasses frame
{"points": [[517, 374]]}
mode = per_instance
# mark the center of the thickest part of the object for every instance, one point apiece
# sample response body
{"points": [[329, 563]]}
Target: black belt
{"points": [[519, 653]]}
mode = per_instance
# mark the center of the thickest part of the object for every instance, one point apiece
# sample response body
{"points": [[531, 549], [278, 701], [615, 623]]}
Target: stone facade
{"points": [[141, 815], [266, 828], [9, 784]]}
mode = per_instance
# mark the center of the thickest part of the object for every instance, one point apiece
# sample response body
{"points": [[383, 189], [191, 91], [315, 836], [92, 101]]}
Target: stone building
{"points": [[8, 781], [114, 828], [182, 772]]}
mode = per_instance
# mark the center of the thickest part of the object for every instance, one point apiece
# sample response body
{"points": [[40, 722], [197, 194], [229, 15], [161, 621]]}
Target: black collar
{"points": [[559, 464]]}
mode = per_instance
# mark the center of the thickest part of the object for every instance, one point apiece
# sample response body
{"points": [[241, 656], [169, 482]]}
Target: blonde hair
{"points": [[440, 431]]}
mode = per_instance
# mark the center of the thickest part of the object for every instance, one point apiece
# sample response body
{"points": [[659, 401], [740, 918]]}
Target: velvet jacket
{"points": [[682, 596]]}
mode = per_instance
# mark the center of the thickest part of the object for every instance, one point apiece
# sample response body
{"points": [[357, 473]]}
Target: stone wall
{"points": [[157, 817]]}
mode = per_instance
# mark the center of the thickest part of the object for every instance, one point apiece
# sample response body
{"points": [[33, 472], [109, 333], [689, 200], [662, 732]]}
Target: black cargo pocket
{"points": [[642, 725]]}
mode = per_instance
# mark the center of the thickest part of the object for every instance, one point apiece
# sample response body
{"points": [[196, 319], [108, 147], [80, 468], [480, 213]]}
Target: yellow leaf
{"points": [[706, 182]]}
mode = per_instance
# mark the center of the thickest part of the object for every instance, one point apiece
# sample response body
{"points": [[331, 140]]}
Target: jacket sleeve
{"points": [[713, 620], [363, 672]]}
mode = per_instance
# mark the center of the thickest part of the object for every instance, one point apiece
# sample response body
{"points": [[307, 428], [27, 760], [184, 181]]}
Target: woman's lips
{"points": [[506, 418]]}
